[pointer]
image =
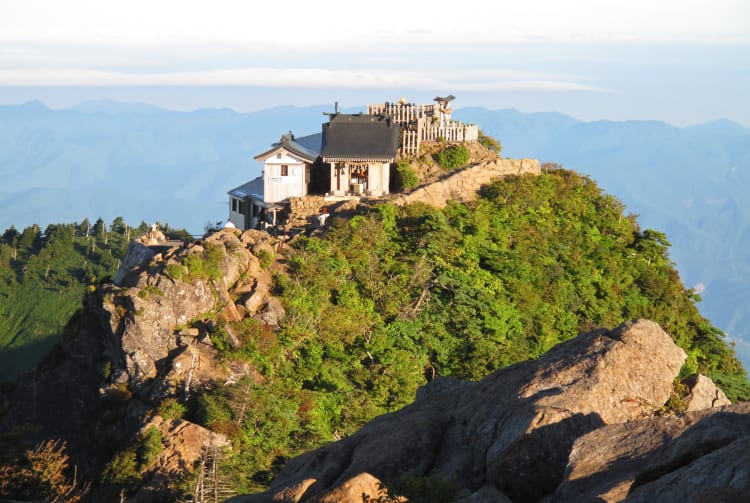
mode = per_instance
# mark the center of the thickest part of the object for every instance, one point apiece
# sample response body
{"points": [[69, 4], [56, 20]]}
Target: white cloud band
{"points": [[298, 78]]}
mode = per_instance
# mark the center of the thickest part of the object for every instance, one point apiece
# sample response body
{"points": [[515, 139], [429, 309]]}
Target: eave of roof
{"points": [[253, 188], [306, 148]]}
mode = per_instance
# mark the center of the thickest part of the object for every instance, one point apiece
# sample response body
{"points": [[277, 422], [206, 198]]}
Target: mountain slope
{"points": [[145, 164], [285, 347], [690, 183]]}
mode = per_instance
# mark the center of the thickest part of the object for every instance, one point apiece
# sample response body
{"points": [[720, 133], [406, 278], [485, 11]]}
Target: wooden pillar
{"points": [[332, 188]]}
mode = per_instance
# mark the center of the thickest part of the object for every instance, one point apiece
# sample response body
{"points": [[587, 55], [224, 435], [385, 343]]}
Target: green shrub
{"points": [[150, 289], [207, 265], [150, 446], [409, 177], [214, 258], [172, 409], [176, 271], [490, 142], [265, 258], [453, 157], [122, 470], [212, 409], [194, 263], [677, 402]]}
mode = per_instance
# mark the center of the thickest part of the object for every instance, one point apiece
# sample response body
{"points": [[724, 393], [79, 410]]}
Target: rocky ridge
{"points": [[464, 184], [584, 422], [143, 340]]}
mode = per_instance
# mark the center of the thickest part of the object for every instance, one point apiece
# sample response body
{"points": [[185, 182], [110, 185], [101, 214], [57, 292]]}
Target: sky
{"points": [[683, 62]]}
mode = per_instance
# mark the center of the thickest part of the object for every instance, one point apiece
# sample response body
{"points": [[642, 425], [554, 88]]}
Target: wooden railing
{"points": [[454, 132], [402, 114]]}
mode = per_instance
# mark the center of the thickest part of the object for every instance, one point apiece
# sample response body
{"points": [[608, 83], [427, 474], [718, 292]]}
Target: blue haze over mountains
{"points": [[107, 159]]}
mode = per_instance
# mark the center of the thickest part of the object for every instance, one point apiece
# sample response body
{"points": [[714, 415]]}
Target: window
{"points": [[238, 205], [284, 170]]}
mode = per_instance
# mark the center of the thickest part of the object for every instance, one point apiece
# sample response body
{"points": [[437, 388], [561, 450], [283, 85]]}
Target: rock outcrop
{"points": [[698, 456], [581, 423], [147, 337], [703, 393], [185, 445], [157, 295], [463, 185]]}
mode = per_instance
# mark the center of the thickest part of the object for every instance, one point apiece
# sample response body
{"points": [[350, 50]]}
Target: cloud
{"points": [[299, 23], [302, 78]]}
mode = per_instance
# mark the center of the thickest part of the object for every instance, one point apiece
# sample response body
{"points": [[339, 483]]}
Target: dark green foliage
{"points": [[176, 271], [385, 301], [407, 176], [453, 157], [122, 471], [172, 409], [43, 277], [150, 446], [265, 258]]}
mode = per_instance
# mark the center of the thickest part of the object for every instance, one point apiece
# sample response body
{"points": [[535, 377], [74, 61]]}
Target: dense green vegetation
{"points": [[406, 175], [43, 277], [380, 304], [453, 157], [385, 301]]}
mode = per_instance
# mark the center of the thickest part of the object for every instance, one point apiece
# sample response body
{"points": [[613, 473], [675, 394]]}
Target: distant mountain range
{"points": [[107, 159]]}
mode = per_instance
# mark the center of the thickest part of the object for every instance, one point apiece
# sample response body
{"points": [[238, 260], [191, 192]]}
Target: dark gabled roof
{"points": [[360, 137], [306, 147]]}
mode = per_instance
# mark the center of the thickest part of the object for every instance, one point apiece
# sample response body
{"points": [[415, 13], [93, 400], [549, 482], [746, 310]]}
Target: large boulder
{"points": [[703, 393], [512, 430], [137, 255], [699, 456]]}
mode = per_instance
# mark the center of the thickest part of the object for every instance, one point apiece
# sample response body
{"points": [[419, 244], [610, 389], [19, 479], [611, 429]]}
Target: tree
{"points": [[10, 234], [490, 142], [84, 228], [99, 227], [118, 225], [41, 475]]}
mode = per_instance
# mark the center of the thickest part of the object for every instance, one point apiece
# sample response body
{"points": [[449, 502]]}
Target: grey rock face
{"points": [[158, 294], [703, 393], [693, 457], [136, 255], [513, 430]]}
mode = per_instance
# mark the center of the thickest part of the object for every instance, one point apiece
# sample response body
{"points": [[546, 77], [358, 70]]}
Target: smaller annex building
{"points": [[350, 157]]}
